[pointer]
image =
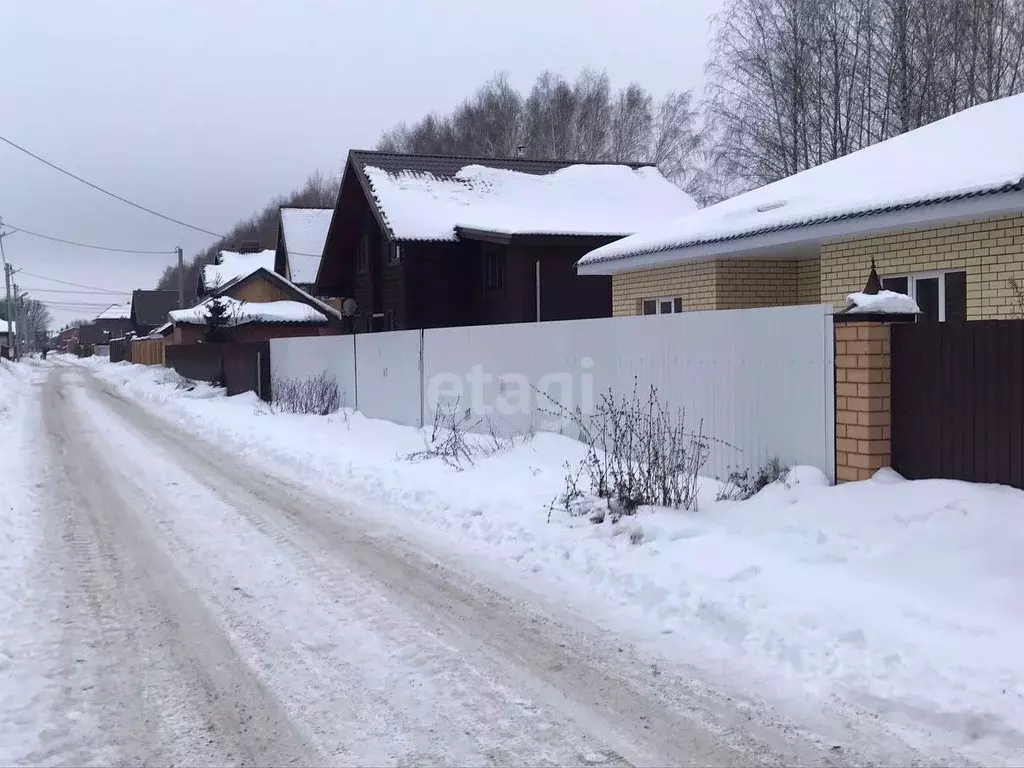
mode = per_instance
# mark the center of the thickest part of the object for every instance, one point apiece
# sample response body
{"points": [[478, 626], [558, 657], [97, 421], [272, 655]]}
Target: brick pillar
{"points": [[863, 397]]}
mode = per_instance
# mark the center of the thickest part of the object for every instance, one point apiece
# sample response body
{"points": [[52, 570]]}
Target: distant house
{"points": [[260, 305], [149, 310], [231, 265], [112, 323], [422, 241], [66, 339], [7, 333], [301, 234], [938, 211]]}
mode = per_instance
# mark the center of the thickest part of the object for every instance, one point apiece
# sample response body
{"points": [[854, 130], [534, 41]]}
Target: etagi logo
{"points": [[483, 393]]}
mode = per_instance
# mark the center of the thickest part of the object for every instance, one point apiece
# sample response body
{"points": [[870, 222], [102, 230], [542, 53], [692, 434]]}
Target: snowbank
{"points": [[27, 629], [897, 599], [883, 301], [576, 200]]}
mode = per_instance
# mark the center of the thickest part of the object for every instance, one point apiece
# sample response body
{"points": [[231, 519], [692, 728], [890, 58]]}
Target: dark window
{"points": [[665, 307], [897, 284], [650, 307], [495, 270], [363, 253], [956, 297], [677, 305], [928, 299]]}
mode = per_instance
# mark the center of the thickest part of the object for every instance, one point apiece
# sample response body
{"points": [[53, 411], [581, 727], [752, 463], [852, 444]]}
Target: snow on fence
{"points": [[759, 382]]}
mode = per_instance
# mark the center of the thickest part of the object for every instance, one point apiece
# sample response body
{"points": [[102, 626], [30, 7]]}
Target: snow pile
{"points": [[116, 312], [232, 266], [27, 626], [883, 301], [577, 200], [980, 149], [305, 233], [242, 312], [888, 598]]}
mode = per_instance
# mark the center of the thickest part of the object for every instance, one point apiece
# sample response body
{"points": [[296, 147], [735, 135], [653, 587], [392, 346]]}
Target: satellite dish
{"points": [[348, 307]]}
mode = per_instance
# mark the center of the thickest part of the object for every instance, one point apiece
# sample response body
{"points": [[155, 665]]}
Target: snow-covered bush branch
{"points": [[452, 438], [317, 394], [639, 452]]}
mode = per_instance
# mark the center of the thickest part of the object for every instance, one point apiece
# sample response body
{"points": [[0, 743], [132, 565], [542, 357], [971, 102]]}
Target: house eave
{"points": [[800, 241]]}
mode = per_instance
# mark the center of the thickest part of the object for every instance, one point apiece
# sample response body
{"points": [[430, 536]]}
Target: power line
{"points": [[77, 293], [98, 188], [87, 245], [65, 282]]}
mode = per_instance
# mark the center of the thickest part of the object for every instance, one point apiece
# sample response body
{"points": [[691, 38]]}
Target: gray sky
{"points": [[206, 109]]}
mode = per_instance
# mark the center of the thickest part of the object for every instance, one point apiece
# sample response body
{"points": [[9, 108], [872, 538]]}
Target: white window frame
{"points": [[658, 302], [913, 277]]}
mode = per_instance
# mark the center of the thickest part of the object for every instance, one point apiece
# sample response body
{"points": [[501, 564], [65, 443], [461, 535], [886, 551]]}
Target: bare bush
{"points": [[451, 438], [317, 394], [741, 485], [638, 453]]}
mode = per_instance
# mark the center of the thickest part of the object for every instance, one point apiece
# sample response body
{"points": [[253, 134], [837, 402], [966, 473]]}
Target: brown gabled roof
{"points": [[151, 307]]}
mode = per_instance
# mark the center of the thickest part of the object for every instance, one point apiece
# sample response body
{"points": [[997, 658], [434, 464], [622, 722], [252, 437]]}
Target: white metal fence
{"points": [[759, 380]]}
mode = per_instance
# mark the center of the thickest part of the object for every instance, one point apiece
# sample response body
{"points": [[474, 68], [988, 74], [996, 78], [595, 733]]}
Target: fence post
{"points": [[863, 394], [422, 383], [355, 373]]}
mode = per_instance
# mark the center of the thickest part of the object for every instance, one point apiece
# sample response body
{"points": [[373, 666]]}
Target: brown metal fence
{"points": [[958, 401], [239, 367]]}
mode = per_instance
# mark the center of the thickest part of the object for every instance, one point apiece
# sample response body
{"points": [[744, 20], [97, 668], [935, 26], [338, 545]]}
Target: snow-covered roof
{"points": [[116, 312], [975, 152], [231, 265], [8, 326], [242, 312], [305, 232], [576, 200]]}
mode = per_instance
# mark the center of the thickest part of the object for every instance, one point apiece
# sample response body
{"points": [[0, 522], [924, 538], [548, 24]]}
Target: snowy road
{"points": [[214, 615]]}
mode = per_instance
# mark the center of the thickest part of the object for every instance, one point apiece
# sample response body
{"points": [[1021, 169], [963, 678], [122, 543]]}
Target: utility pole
{"points": [[7, 283], [181, 280], [17, 323]]}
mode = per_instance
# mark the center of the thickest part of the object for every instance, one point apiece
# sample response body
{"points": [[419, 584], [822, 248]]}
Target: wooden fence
{"points": [[148, 352], [958, 401]]}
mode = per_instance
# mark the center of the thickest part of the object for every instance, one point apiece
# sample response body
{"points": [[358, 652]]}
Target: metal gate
{"points": [[958, 401]]}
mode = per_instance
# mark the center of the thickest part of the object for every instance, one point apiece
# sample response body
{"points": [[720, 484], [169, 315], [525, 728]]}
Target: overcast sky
{"points": [[206, 109]]}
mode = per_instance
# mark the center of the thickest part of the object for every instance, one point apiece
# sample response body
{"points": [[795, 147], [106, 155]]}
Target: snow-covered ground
{"points": [[886, 602], [26, 611]]}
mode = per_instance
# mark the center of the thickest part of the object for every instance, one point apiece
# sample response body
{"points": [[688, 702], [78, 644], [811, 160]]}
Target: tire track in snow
{"points": [[149, 678], [562, 667]]}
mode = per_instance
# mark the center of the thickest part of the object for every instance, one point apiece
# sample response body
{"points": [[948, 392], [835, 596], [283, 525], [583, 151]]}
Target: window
{"points": [[666, 306], [942, 296], [395, 254], [494, 269], [363, 253]]}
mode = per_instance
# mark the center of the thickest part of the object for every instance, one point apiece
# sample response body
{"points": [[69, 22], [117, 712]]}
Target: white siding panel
{"points": [[759, 382]]}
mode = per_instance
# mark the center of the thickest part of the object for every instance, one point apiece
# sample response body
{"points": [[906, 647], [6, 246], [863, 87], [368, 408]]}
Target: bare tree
{"points": [[796, 83]]}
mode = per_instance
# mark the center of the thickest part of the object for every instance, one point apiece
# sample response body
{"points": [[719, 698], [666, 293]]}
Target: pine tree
{"points": [[218, 319]]}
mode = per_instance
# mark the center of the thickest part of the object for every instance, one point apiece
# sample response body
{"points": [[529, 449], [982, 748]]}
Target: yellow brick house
{"points": [[939, 210]]}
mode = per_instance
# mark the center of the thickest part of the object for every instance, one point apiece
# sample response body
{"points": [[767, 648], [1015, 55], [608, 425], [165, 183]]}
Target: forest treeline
{"points": [[790, 84]]}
